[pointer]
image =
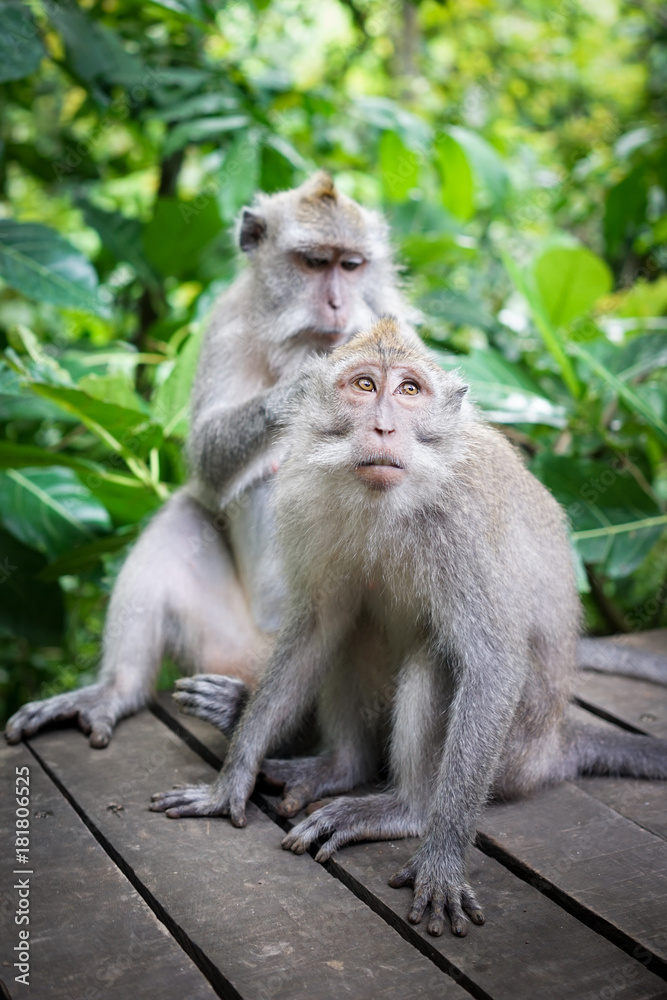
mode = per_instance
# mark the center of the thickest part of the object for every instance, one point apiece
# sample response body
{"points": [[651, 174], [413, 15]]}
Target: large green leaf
{"points": [[29, 607], [202, 130], [179, 232], [21, 49], [49, 509], [456, 174], [121, 237], [490, 173], [95, 53], [239, 175], [42, 265], [600, 497], [196, 107], [569, 281], [399, 167], [171, 400], [505, 393]]}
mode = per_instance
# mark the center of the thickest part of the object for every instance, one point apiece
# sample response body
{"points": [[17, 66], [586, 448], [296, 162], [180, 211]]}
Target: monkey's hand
{"points": [[226, 796], [306, 779], [441, 884], [96, 709], [370, 817], [214, 698]]}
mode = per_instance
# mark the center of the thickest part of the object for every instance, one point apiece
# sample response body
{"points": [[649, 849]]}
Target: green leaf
{"points": [[628, 395], [21, 49], [179, 232], [569, 281], [458, 308], [95, 52], [196, 107], [600, 495], [28, 607], [489, 170], [121, 237], [525, 283], [171, 400], [202, 130], [457, 179], [506, 393], [89, 556], [239, 175], [116, 388], [42, 265], [625, 209], [640, 356], [191, 9], [49, 509], [399, 167]]}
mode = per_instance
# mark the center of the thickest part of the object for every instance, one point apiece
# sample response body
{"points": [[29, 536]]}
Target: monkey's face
{"points": [[383, 416]]}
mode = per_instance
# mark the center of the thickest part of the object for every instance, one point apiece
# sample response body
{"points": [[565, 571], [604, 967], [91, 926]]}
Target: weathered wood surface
{"points": [[91, 933], [574, 883], [557, 955], [269, 923]]}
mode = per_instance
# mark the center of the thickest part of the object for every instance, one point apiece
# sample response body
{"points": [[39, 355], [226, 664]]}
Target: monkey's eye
{"points": [[351, 263], [408, 388], [315, 263], [365, 383]]}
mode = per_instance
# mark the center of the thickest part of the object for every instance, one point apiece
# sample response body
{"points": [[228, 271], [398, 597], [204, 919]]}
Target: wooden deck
{"points": [[125, 903]]}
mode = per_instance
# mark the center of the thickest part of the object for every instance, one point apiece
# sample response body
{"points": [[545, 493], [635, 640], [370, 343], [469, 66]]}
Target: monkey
{"points": [[203, 584], [411, 527]]}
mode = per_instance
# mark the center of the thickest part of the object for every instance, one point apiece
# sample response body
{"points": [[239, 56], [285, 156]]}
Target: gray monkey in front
{"points": [[411, 529]]}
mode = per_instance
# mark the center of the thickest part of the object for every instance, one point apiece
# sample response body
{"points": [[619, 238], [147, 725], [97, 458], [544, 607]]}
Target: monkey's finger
{"points": [[457, 917], [237, 814], [436, 923], [294, 800], [405, 876], [419, 904], [336, 840], [471, 906], [98, 726]]}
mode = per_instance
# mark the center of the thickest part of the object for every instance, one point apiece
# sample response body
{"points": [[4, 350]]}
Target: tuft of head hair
{"points": [[386, 341], [319, 186]]}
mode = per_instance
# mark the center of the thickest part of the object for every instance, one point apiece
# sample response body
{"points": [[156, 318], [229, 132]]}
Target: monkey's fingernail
{"points": [[477, 916], [460, 928]]}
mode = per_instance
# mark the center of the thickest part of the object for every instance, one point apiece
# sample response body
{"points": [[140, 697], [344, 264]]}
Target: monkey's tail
{"points": [[611, 657], [596, 751]]}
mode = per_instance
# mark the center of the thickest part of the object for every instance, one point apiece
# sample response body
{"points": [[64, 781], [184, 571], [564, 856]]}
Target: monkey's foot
{"points": [[96, 709], [371, 817], [226, 796], [214, 698], [433, 882], [306, 779]]}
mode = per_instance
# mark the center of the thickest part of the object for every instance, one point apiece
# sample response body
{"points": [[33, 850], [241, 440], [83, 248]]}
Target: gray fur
{"points": [[204, 582], [437, 579]]}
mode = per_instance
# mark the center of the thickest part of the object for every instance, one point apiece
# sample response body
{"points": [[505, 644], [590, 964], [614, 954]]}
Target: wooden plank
{"points": [[272, 924], [91, 934], [604, 863], [529, 947], [640, 704]]}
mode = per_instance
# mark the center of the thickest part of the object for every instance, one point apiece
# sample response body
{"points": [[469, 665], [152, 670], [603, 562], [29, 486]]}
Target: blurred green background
{"points": [[518, 148]]}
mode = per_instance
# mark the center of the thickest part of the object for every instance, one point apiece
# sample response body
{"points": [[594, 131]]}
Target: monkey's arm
{"points": [[302, 653], [489, 671], [224, 439]]}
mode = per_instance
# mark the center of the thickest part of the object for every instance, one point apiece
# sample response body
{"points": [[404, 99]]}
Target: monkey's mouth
{"points": [[383, 460], [380, 471]]}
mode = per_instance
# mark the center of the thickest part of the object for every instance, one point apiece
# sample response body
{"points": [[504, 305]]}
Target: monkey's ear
{"points": [[253, 230]]}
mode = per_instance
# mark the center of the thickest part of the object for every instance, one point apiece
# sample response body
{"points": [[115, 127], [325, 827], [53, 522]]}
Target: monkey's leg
{"points": [[610, 657], [418, 704], [351, 705], [304, 650], [488, 677], [214, 698], [177, 593], [367, 817]]}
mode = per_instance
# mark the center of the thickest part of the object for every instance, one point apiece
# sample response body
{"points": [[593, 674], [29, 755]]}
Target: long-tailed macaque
{"points": [[203, 583], [412, 534]]}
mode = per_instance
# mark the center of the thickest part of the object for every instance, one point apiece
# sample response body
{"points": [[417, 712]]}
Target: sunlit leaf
{"points": [[569, 281], [399, 166], [457, 179]]}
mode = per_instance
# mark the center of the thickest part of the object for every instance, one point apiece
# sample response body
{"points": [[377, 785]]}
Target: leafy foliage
{"points": [[519, 152]]}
